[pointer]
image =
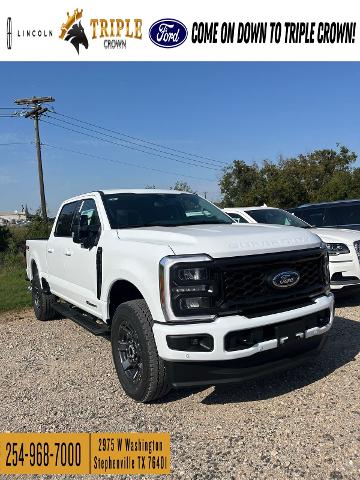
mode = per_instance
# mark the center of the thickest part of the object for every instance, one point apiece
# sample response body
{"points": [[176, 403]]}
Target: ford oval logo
{"points": [[168, 33], [286, 279]]}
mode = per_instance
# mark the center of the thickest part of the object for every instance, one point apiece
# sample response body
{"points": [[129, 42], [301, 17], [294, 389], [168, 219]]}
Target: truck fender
{"points": [[129, 287]]}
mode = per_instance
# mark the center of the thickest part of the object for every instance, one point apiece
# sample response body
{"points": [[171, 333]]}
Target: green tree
{"points": [[242, 185], [4, 238], [182, 186], [321, 175], [38, 229], [355, 184]]}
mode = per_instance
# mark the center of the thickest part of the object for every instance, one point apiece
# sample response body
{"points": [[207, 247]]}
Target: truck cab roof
{"points": [[140, 191]]}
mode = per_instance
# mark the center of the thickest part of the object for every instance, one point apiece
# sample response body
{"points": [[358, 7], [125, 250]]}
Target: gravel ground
{"points": [[55, 376]]}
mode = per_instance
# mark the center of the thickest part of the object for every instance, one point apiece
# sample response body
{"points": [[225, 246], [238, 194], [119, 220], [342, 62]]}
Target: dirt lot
{"points": [[55, 376]]}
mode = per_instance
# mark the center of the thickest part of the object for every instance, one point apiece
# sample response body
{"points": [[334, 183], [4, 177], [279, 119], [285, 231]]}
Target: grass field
{"points": [[14, 293], [13, 289]]}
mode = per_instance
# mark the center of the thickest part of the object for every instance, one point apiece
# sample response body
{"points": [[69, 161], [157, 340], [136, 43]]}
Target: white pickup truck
{"points": [[189, 296]]}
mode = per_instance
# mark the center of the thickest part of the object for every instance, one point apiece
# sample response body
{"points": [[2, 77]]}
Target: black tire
{"points": [[141, 371], [42, 302]]}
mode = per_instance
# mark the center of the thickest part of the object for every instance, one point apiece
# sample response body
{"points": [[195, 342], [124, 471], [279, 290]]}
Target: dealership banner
{"points": [[85, 453], [134, 30]]}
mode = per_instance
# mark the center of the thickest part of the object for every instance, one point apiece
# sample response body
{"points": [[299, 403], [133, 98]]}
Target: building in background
{"points": [[17, 216]]}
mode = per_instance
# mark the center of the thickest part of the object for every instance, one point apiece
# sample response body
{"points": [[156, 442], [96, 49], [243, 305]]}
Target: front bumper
{"points": [[220, 327], [186, 374]]}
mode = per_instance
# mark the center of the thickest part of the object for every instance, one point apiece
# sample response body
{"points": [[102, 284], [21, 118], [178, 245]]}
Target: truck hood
{"points": [[224, 240], [337, 235]]}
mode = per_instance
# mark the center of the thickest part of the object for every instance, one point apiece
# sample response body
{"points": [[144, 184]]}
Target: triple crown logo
{"points": [[73, 30]]}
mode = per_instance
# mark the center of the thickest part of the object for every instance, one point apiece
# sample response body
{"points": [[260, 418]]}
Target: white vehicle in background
{"points": [[343, 245]]}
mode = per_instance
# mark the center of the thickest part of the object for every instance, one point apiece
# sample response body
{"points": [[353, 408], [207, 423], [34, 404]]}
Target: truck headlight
{"points": [[192, 303], [337, 248], [357, 248], [189, 288], [192, 274], [327, 273]]}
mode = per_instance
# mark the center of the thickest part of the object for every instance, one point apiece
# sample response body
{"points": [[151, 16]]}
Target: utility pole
{"points": [[36, 112]]}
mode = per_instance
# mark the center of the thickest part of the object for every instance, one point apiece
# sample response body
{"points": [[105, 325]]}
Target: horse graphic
{"points": [[76, 35]]}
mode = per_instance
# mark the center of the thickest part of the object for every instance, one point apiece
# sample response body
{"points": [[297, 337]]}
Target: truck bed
{"points": [[36, 250]]}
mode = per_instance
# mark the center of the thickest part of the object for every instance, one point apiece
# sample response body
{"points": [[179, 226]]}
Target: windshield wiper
{"points": [[122, 227], [207, 223]]}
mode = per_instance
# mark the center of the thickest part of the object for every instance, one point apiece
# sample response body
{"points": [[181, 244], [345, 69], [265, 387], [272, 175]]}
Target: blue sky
{"points": [[224, 111]]}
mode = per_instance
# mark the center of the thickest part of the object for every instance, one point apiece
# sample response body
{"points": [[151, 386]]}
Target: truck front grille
{"points": [[247, 282]]}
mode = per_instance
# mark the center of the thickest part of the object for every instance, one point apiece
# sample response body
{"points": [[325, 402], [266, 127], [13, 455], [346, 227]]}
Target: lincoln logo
{"points": [[286, 279], [9, 33]]}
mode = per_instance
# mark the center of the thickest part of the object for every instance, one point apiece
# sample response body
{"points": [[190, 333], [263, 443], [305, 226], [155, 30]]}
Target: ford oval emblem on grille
{"points": [[285, 279]]}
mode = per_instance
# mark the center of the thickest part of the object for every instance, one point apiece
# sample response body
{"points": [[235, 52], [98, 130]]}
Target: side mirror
{"points": [[86, 235], [81, 234]]}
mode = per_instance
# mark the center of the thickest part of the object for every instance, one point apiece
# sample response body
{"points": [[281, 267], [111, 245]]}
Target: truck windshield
{"points": [[277, 216], [134, 210]]}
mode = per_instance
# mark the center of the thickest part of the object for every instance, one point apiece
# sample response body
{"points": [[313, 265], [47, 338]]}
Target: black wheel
{"points": [[141, 371], [42, 302]]}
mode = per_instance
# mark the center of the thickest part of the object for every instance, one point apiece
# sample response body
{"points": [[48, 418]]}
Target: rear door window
{"points": [[65, 220], [344, 214]]}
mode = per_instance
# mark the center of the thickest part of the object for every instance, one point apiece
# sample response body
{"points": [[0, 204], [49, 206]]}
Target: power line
{"points": [[127, 146], [37, 111], [108, 159], [141, 140], [124, 163], [9, 108], [136, 144], [16, 111], [15, 143], [13, 108]]}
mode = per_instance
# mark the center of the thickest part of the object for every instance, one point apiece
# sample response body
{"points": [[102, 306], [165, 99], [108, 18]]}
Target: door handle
{"points": [[68, 253], [50, 250]]}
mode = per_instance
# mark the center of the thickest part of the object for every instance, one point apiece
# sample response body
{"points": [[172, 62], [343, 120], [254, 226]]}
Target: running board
{"points": [[91, 323]]}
